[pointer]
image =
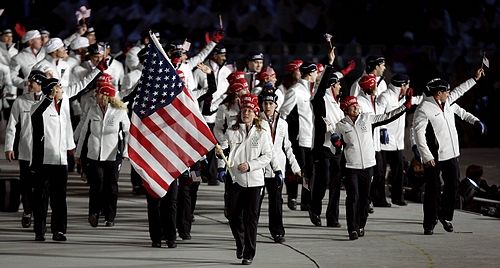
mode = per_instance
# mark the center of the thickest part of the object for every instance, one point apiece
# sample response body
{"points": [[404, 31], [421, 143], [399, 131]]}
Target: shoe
{"points": [[279, 239], [156, 244], [399, 202], [334, 224], [213, 183], [185, 236], [315, 219], [382, 205], [353, 235], [40, 237], [26, 220], [246, 261], [292, 204], [94, 220], [447, 225], [59, 236], [109, 223], [370, 208], [361, 232], [137, 190], [428, 232], [171, 244]]}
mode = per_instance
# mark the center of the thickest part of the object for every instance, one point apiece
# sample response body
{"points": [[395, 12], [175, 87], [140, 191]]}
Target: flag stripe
{"points": [[147, 172]]}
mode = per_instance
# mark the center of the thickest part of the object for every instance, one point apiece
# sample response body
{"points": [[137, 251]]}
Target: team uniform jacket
{"points": [[300, 95], [356, 89], [103, 133], [254, 147], [282, 147], [188, 66], [443, 123], [57, 67], [359, 149], [388, 101], [20, 113], [225, 119], [23, 62], [370, 107], [52, 131]]}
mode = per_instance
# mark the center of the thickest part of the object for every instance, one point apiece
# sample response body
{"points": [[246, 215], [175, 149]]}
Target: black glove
{"points": [[278, 175], [416, 153], [481, 127], [221, 174]]}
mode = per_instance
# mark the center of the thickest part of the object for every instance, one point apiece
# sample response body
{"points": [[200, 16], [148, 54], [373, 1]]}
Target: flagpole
{"points": [[159, 46], [218, 148]]}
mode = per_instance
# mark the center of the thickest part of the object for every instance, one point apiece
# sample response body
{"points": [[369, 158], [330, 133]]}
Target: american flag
{"points": [[168, 132]]}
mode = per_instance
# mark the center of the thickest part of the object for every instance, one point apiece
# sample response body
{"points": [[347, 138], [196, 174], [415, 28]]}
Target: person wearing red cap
{"points": [[355, 131], [266, 78], [106, 124], [375, 64], [227, 116], [250, 151]]}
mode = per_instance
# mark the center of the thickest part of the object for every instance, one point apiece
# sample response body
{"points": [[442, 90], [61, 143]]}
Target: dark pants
{"points": [[162, 215], [357, 185], [50, 186], [275, 203], [377, 190], [26, 176], [437, 204], [103, 191], [304, 158], [395, 160], [136, 181], [185, 205], [244, 217], [327, 173]]}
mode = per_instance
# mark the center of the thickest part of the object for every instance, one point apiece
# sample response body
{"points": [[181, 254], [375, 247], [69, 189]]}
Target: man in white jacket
{"points": [[20, 114], [439, 149]]}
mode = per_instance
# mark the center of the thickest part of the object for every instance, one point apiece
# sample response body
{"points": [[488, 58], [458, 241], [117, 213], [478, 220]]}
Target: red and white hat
{"points": [[348, 101], [104, 78], [106, 89], [293, 66], [250, 101], [231, 78], [265, 74], [237, 86], [368, 82]]}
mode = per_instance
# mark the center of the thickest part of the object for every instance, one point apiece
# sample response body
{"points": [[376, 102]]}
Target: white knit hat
{"points": [[79, 42], [30, 35], [53, 44]]}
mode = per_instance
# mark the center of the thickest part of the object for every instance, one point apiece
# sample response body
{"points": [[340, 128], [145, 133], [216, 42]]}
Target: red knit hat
{"points": [[265, 74], [103, 79], [348, 101], [235, 76], [368, 82], [238, 86], [250, 101], [293, 65], [106, 89]]}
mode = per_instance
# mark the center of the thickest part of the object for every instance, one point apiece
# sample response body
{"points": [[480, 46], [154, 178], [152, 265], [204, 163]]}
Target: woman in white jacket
{"points": [[356, 132], [250, 151], [105, 133]]}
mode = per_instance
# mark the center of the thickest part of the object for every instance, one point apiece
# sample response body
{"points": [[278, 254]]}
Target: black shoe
{"points": [[279, 239], [156, 244], [59, 236], [185, 236], [292, 204], [239, 253], [334, 224], [213, 183], [399, 202], [246, 261], [382, 205], [370, 208], [315, 219], [40, 237], [447, 225], [171, 244], [94, 220], [137, 190], [109, 223], [26, 220], [361, 232], [353, 235], [428, 232]]}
